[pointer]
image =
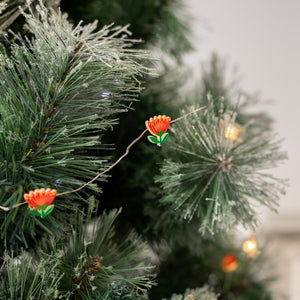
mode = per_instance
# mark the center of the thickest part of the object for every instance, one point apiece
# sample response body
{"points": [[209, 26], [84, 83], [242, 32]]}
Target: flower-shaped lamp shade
{"points": [[229, 263], [40, 201], [158, 126]]}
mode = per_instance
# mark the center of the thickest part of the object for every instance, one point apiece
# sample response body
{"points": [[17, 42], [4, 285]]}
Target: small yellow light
{"points": [[250, 246], [232, 133]]}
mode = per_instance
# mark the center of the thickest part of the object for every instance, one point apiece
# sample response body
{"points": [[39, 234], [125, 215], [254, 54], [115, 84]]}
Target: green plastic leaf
{"points": [[153, 139], [42, 211], [49, 210], [164, 137]]}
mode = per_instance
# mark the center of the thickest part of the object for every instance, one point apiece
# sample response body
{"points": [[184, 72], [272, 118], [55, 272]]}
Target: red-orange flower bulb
{"points": [[40, 201], [158, 124], [39, 197], [229, 263]]}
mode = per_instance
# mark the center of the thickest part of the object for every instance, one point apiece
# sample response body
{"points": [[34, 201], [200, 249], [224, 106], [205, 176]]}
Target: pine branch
{"points": [[215, 177], [60, 91], [89, 262], [95, 260], [196, 294], [11, 17], [24, 278], [160, 24]]}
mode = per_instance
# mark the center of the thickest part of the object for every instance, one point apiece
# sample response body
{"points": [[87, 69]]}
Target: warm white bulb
{"points": [[232, 132], [250, 246]]}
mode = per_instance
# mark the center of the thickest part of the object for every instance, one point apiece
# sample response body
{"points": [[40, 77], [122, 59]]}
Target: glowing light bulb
{"points": [[229, 263], [232, 133], [250, 246]]}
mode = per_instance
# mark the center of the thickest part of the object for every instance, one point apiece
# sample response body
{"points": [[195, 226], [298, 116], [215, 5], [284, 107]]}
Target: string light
{"points": [[229, 263], [233, 131], [40, 201], [250, 246], [47, 210], [158, 126]]}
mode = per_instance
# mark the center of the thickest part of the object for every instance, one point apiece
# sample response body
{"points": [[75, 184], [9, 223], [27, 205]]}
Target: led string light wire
{"points": [[110, 167]]}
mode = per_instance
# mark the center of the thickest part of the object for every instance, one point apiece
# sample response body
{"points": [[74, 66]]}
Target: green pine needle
{"points": [[61, 88], [24, 278], [215, 179], [203, 293], [89, 262]]}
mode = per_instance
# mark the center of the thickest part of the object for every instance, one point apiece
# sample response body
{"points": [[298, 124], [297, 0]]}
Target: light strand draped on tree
{"points": [[60, 90]]}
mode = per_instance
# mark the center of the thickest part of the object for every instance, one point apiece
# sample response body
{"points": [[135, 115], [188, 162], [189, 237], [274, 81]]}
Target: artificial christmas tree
{"points": [[62, 91]]}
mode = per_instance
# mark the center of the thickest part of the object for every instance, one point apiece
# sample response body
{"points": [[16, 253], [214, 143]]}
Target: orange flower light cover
{"points": [[250, 247], [229, 263], [40, 201], [158, 126]]}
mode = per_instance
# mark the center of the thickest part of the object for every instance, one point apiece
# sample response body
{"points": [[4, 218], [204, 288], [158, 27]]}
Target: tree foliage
{"points": [[89, 262], [54, 109], [217, 167]]}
